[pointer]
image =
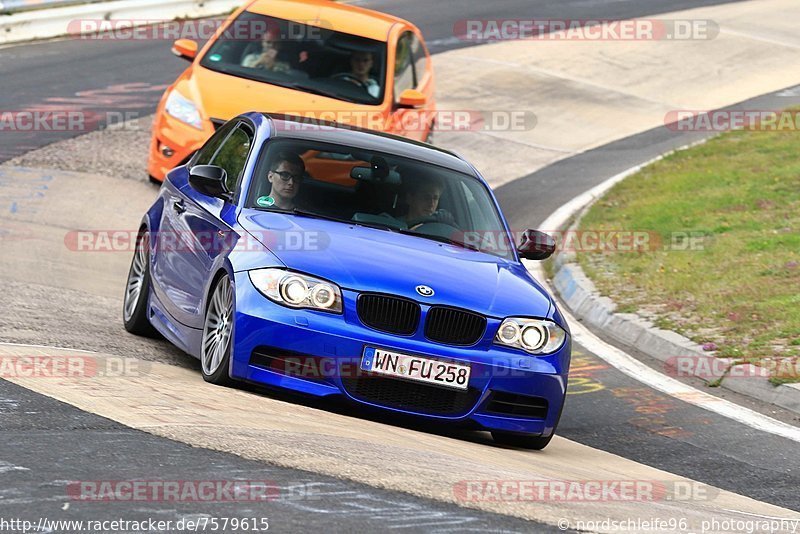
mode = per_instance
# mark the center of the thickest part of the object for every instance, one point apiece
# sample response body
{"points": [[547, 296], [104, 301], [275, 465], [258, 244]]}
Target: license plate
{"points": [[384, 362]]}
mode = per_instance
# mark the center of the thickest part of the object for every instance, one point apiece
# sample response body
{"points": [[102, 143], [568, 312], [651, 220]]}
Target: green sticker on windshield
{"points": [[214, 57], [265, 202]]}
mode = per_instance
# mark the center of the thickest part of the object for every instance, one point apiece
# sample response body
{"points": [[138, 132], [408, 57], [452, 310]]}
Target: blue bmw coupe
{"points": [[336, 261]]}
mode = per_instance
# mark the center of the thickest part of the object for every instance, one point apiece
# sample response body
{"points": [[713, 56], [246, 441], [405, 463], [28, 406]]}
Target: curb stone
{"points": [[579, 294]]}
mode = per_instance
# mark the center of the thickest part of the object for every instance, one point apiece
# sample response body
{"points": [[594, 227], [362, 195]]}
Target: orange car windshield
{"points": [[312, 59]]}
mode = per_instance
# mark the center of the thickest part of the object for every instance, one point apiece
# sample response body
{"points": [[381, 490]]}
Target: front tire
{"points": [[137, 290], [522, 441], [215, 351], [429, 137]]}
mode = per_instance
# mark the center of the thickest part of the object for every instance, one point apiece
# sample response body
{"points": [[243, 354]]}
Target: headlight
{"points": [[531, 335], [297, 290], [183, 109]]}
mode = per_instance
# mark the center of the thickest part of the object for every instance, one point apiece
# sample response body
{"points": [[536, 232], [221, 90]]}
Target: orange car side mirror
{"points": [[185, 48], [411, 98]]}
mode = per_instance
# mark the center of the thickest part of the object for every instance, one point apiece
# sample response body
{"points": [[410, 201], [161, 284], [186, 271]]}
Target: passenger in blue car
{"points": [[422, 197]]}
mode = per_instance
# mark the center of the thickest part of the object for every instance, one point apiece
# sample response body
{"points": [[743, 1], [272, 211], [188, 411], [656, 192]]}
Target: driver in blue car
{"points": [[422, 198]]}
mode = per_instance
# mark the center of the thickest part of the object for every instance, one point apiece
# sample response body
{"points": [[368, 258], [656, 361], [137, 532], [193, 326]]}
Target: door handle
{"points": [[179, 206]]}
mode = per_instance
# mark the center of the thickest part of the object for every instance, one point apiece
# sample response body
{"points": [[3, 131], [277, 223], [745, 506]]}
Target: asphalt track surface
{"points": [[606, 409], [36, 470], [128, 77]]}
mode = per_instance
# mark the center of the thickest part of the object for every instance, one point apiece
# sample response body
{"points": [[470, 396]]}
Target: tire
{"points": [[215, 348], [429, 137], [137, 290], [522, 441]]}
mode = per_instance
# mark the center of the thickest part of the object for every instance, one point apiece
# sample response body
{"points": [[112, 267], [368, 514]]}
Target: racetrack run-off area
{"points": [[584, 95]]}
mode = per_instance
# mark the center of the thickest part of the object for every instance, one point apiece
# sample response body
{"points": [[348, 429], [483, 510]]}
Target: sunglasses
{"points": [[286, 176]]}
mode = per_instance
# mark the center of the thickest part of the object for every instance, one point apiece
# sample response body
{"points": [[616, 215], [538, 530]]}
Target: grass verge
{"points": [[721, 263]]}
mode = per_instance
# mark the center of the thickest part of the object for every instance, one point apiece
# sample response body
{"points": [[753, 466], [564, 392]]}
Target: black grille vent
{"points": [[517, 405], [454, 326], [410, 396], [388, 314]]}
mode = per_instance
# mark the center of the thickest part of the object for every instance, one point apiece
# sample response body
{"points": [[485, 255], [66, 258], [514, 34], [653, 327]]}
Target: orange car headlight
{"points": [[183, 109]]}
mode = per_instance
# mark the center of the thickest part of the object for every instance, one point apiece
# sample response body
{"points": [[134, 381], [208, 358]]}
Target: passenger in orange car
{"points": [[267, 58], [285, 175]]}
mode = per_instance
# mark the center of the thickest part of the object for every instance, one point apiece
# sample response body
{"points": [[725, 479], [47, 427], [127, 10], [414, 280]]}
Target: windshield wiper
{"points": [[442, 239], [305, 213], [311, 89]]}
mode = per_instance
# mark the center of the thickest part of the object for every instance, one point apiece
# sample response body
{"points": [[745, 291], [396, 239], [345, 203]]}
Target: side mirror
{"points": [[209, 180], [185, 48], [536, 245], [411, 98]]}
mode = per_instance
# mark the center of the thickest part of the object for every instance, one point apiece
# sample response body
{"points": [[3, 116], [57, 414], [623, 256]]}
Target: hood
{"points": [[223, 96], [368, 259]]}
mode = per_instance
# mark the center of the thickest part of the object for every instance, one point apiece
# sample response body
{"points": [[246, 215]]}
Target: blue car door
{"points": [[196, 230]]}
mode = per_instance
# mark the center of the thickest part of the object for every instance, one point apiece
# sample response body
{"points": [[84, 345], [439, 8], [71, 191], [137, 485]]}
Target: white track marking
{"points": [[629, 365], [44, 347]]}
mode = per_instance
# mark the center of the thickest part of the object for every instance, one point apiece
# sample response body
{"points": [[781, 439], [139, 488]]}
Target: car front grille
{"points": [[454, 326], [410, 396], [388, 314]]}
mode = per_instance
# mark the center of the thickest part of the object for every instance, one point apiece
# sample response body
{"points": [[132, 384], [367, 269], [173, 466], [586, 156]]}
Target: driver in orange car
{"points": [[360, 67]]}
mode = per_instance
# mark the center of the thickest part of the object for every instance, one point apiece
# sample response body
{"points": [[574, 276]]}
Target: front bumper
{"points": [[324, 351]]}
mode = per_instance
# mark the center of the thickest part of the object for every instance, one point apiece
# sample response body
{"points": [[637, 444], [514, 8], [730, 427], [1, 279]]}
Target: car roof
{"points": [[292, 127], [324, 13]]}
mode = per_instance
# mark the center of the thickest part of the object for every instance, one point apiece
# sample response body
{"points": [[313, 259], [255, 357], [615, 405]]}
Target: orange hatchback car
{"points": [[311, 58]]}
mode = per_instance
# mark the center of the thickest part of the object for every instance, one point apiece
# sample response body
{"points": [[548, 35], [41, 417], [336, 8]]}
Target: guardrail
{"points": [[55, 21], [15, 6]]}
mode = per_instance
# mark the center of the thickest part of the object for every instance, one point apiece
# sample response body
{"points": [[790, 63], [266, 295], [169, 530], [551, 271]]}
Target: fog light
{"points": [[166, 151]]}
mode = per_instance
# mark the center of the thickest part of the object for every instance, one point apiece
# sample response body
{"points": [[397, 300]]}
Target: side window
{"points": [[420, 59], [232, 155], [404, 65], [207, 151]]}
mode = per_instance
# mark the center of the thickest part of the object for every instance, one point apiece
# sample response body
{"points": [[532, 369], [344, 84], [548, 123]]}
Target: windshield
{"points": [[300, 56], [355, 186]]}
